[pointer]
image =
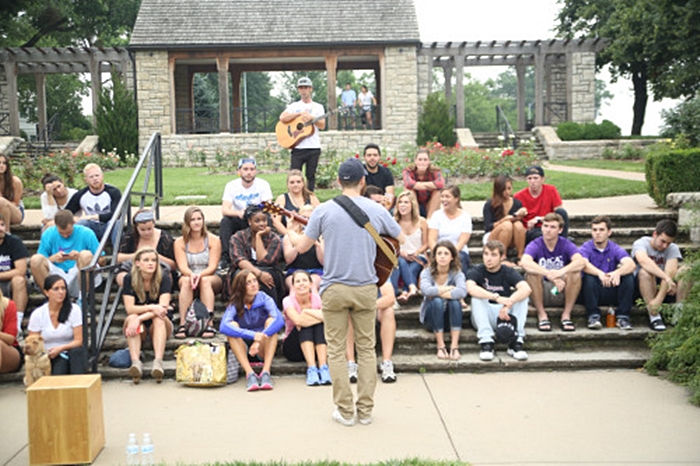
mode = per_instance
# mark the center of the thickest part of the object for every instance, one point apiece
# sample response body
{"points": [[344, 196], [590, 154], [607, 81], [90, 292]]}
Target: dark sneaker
{"points": [[594, 322], [251, 382], [516, 351], [486, 353], [657, 325], [623, 323]]}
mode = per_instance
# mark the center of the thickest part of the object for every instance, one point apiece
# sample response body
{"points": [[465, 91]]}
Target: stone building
{"points": [[173, 40]]}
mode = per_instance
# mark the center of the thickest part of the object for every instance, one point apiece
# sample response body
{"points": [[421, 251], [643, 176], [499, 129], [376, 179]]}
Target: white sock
{"points": [[20, 316]]}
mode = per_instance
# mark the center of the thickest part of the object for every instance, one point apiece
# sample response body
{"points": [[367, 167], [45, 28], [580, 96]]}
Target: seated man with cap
{"points": [[499, 303], [540, 199], [239, 194]]}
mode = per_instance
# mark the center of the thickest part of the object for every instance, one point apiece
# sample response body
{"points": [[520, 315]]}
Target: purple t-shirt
{"points": [[551, 260], [607, 260]]}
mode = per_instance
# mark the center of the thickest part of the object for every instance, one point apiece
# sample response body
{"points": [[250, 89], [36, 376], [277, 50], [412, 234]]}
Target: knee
{"points": [[84, 258], [17, 282], [37, 261]]}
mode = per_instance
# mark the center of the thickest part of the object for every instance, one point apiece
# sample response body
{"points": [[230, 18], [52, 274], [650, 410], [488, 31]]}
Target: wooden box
{"points": [[65, 418]]}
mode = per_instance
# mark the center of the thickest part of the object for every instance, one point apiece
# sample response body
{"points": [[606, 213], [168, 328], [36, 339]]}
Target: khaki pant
{"points": [[359, 304]]}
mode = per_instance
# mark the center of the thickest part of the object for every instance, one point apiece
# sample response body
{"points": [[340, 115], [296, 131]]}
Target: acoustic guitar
{"points": [[383, 264], [290, 134]]}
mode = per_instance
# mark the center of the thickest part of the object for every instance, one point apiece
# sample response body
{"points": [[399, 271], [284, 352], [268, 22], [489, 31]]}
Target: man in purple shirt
{"points": [[553, 265], [607, 278]]}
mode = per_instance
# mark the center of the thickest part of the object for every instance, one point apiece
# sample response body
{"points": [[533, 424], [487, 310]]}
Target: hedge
{"points": [[672, 171]]}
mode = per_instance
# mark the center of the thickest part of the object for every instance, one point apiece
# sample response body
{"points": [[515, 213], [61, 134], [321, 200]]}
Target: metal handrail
{"points": [[505, 129], [97, 324]]}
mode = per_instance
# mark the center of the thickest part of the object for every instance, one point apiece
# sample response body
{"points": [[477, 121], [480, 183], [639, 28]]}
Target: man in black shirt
{"points": [[378, 174], [498, 292]]}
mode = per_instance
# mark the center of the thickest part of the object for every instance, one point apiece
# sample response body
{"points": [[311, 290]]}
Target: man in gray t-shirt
{"points": [[657, 260], [348, 289]]}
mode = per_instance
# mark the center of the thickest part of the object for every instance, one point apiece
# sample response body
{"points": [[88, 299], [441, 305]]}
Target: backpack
{"points": [[196, 318]]}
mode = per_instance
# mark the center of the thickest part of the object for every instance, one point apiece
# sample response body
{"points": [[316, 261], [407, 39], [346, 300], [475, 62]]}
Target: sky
{"points": [[472, 20]]}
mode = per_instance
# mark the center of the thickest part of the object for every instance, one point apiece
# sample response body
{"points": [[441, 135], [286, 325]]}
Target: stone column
{"points": [[582, 96], [520, 97], [224, 107], [539, 90], [154, 74], [13, 99], [40, 79], [447, 71], [459, 88]]}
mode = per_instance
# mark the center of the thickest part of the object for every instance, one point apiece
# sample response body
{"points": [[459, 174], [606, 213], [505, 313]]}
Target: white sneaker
{"points": [[352, 371], [365, 421], [337, 417], [486, 353], [516, 350], [388, 375]]}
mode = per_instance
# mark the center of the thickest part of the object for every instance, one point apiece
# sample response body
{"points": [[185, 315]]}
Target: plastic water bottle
{"points": [[610, 318], [554, 291], [132, 451], [147, 450]]}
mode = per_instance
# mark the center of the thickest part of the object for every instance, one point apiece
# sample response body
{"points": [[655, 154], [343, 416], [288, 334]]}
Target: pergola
{"points": [[41, 61], [541, 53]]}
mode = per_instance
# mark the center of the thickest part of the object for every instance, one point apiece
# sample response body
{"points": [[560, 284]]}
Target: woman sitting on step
{"points": [[10, 352], [11, 189], [146, 298], [251, 323], [60, 323], [411, 258], [443, 286], [197, 254], [503, 216]]}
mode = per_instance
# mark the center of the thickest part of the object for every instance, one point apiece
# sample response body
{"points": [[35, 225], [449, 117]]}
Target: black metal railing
{"points": [[98, 321], [504, 128], [4, 123], [255, 119], [44, 137], [357, 118]]}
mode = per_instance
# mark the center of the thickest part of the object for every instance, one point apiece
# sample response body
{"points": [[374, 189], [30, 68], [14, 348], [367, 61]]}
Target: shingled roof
{"points": [[273, 23]]}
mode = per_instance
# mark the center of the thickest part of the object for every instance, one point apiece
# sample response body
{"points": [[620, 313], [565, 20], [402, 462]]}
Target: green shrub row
{"points": [[570, 131], [671, 171]]}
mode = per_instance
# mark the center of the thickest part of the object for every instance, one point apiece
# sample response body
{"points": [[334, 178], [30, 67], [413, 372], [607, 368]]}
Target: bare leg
{"points": [[185, 297], [571, 291], [387, 331], [134, 342], [322, 354], [307, 348], [239, 349], [161, 329], [537, 296], [519, 232], [433, 203], [39, 265], [19, 293]]}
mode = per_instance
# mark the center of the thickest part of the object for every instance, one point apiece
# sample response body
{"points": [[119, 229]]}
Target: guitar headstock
{"points": [[270, 207]]}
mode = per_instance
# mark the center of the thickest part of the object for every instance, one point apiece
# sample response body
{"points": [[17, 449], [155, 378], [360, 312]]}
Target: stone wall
{"points": [[582, 75], [153, 93], [556, 93]]}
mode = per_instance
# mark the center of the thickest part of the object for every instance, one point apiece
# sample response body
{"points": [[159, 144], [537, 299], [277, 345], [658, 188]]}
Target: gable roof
{"points": [[273, 23]]}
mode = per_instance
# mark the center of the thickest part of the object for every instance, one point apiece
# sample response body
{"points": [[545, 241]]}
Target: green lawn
{"points": [[198, 182], [624, 165]]}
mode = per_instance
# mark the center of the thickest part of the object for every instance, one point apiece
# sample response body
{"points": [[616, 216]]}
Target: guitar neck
{"points": [[318, 118], [272, 208]]}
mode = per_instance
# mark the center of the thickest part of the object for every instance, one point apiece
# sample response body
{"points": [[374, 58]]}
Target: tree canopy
{"points": [[656, 43]]}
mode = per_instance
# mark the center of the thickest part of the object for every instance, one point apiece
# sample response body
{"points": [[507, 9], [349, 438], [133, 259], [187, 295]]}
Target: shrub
{"points": [[116, 120], [671, 171], [570, 131], [677, 350], [435, 123], [683, 120], [67, 165]]}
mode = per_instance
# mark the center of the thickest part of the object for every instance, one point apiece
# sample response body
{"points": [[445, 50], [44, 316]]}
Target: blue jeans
{"points": [[99, 229], [442, 311], [464, 261], [408, 271], [595, 294]]}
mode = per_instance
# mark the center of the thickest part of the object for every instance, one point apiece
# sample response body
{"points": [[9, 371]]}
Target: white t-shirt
{"points": [[40, 321], [241, 197], [49, 211], [450, 230], [313, 141], [366, 100]]}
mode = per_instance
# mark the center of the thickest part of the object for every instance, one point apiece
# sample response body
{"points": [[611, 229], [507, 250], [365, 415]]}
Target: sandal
{"points": [[544, 325], [454, 354], [180, 333], [209, 332], [567, 326], [442, 353]]}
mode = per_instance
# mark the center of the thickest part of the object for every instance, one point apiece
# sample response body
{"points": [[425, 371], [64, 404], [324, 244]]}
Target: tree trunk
{"points": [[639, 80]]}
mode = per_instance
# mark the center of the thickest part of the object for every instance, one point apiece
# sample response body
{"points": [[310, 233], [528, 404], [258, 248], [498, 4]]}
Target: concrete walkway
{"points": [[581, 418]]}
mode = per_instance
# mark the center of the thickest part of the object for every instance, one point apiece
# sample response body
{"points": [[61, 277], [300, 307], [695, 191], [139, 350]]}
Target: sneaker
{"points": [[486, 353], [324, 375], [623, 323], [388, 375], [365, 421], [516, 350], [594, 322], [312, 378], [265, 381], [337, 417], [657, 325], [157, 371], [135, 371], [352, 371], [251, 382]]}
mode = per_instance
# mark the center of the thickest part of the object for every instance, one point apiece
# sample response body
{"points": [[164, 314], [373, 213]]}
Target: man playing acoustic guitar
{"points": [[308, 150]]}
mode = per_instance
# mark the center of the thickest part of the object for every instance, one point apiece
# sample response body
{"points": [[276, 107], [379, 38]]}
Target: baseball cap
{"points": [[507, 330], [351, 170], [304, 82], [247, 160], [534, 170]]}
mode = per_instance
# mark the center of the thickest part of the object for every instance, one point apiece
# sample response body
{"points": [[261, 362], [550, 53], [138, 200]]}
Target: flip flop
{"points": [[454, 354], [544, 325], [442, 353], [567, 326]]}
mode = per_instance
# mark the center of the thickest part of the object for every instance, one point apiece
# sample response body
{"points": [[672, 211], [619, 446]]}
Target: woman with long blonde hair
{"points": [[411, 257], [297, 196]]}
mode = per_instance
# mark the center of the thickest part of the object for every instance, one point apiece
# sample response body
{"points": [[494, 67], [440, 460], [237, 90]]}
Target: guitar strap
{"points": [[361, 218]]}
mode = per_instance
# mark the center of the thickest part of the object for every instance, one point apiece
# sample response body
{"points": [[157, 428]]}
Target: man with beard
{"points": [[377, 174]]}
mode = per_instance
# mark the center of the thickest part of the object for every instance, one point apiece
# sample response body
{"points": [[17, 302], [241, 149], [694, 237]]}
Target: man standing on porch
{"points": [[308, 151]]}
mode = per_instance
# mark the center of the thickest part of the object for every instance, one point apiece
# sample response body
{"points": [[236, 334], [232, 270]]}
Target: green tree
{"points": [[436, 123], [656, 43], [289, 92], [683, 121], [116, 119]]}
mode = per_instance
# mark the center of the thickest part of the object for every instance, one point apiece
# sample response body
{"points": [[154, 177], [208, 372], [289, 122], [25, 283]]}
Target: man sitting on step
{"points": [[499, 295], [540, 199], [657, 258], [553, 266], [607, 278]]}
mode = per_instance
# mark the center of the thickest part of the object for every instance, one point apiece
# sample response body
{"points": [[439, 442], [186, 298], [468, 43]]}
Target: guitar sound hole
{"points": [[300, 126]]}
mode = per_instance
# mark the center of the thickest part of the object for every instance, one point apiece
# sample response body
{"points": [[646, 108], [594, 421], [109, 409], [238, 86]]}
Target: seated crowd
{"points": [[271, 289]]}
